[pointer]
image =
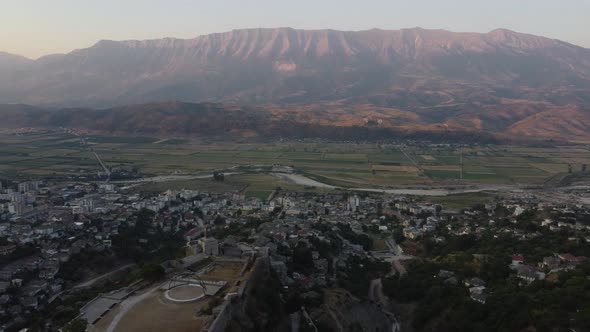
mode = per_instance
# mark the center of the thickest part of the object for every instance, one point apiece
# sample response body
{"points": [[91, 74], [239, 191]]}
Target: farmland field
{"points": [[59, 155]]}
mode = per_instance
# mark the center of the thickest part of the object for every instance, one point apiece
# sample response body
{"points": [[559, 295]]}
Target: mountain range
{"points": [[503, 83]]}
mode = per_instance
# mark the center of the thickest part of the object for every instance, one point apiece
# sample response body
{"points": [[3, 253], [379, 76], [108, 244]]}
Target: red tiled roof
{"points": [[192, 232], [567, 257], [518, 258]]}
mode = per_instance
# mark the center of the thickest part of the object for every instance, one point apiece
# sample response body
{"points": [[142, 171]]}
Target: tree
{"points": [[302, 257], [214, 302], [145, 217], [277, 210], [219, 220], [437, 209], [218, 176], [294, 303], [152, 272], [77, 325]]}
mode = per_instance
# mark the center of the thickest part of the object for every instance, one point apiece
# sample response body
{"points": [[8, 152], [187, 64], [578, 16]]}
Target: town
{"points": [[81, 255]]}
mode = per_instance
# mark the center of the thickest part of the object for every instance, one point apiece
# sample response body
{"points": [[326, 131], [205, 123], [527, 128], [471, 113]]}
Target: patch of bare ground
{"points": [[155, 314]]}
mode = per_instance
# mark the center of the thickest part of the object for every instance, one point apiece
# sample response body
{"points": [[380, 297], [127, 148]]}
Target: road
{"points": [[376, 292], [95, 280], [393, 255], [104, 167], [420, 169], [399, 267], [295, 321], [376, 295]]}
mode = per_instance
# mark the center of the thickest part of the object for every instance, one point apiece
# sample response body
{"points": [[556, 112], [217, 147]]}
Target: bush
{"points": [[77, 325], [152, 272]]}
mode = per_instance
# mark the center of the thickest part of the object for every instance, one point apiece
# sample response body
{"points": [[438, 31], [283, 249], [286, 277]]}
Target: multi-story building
{"points": [[210, 246]]}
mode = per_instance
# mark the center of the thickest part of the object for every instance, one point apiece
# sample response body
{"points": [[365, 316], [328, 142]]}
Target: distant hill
{"points": [[501, 82], [10, 61], [229, 123]]}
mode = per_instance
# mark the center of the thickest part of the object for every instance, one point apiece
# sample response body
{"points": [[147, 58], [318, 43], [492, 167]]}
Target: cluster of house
{"points": [[56, 221], [19, 200], [527, 273], [294, 216], [549, 265], [300, 211], [36, 200], [292, 234], [59, 220], [415, 228], [64, 220], [572, 219], [476, 286], [567, 219]]}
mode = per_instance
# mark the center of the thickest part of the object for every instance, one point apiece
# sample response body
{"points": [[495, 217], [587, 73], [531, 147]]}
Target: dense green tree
{"points": [[152, 272], [77, 325]]}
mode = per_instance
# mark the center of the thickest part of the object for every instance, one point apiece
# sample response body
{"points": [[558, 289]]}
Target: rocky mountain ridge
{"points": [[502, 82]]}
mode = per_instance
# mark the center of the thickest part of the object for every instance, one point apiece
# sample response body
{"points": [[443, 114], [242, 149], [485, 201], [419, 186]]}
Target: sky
{"points": [[39, 27]]}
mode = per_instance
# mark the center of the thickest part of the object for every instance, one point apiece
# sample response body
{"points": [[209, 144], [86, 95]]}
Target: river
{"points": [[305, 181]]}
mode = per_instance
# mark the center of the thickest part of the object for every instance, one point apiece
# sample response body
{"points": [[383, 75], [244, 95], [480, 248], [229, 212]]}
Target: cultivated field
{"points": [[48, 154]]}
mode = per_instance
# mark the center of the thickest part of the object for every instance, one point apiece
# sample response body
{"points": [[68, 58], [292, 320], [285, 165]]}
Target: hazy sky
{"points": [[38, 27]]}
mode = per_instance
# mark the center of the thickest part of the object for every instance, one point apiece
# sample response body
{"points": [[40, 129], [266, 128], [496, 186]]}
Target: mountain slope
{"points": [[328, 121], [8, 61], [501, 82], [287, 66], [217, 121]]}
